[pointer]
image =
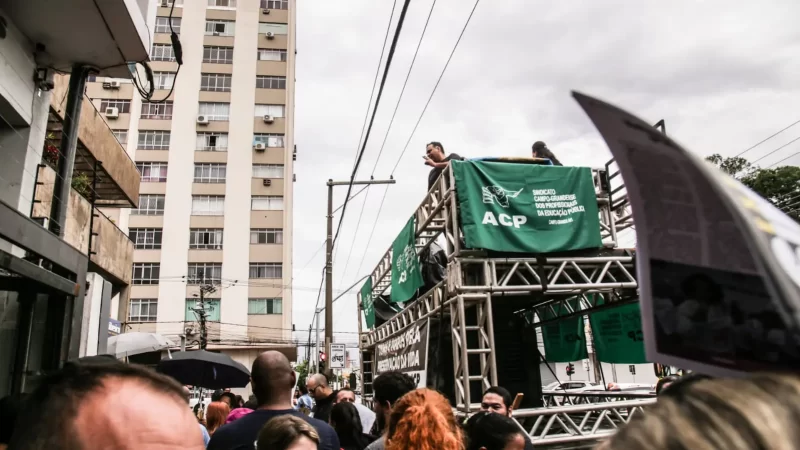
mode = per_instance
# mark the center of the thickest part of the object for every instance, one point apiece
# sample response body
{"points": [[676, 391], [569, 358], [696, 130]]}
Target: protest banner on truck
{"points": [[407, 352]]}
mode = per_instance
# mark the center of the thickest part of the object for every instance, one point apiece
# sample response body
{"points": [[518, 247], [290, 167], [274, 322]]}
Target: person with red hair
{"points": [[423, 420], [216, 415]]}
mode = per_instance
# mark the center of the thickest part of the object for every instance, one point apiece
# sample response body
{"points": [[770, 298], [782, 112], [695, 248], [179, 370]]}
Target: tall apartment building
{"points": [[216, 163]]}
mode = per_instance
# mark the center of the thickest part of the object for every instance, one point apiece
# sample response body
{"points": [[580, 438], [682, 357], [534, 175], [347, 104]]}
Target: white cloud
{"points": [[720, 74]]}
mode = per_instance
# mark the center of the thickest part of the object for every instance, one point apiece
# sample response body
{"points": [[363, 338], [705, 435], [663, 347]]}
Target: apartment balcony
{"points": [[104, 34], [117, 183], [111, 252]]}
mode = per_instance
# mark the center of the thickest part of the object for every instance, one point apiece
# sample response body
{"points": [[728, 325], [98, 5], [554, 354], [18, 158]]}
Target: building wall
{"points": [[238, 219]]}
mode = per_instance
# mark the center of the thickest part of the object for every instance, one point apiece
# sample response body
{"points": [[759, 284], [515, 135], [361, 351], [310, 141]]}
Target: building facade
{"points": [[216, 163]]}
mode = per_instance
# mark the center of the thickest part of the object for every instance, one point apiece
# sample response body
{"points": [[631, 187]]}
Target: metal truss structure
{"points": [[578, 423], [554, 285]]}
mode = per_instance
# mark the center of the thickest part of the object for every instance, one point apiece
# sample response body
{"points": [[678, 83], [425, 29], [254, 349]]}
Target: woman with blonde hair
{"points": [[216, 416], [423, 420], [287, 432], [761, 412]]}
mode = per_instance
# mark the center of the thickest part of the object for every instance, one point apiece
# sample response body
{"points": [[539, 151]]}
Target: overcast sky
{"points": [[722, 75]]}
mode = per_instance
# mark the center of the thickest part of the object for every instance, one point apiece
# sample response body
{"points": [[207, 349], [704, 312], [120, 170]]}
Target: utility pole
{"points": [[202, 316], [329, 258], [316, 357]]}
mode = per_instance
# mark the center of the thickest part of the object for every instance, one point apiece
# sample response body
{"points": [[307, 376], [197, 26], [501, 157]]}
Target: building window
{"points": [[153, 140], [218, 55], [163, 80], [205, 238], [204, 273], [162, 52], [212, 142], [150, 205], [266, 203], [122, 136], [145, 238], [274, 28], [216, 82], [266, 270], [222, 3], [220, 27], [215, 111], [269, 110], [193, 309], [143, 310], [160, 111], [168, 3], [267, 170], [210, 173], [271, 140], [270, 54], [124, 106], [208, 205], [259, 306], [162, 25], [270, 82], [153, 172], [146, 273], [266, 236], [274, 4]]}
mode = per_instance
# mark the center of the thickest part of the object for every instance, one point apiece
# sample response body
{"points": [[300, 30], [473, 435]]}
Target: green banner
{"points": [[618, 336], [564, 340], [367, 304], [527, 208], [406, 274]]}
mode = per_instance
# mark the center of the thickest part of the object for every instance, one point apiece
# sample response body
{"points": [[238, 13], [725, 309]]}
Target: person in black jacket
{"points": [[347, 423], [540, 150]]}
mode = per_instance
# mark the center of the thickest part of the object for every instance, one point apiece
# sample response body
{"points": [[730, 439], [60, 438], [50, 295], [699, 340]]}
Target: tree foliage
{"points": [[779, 185]]}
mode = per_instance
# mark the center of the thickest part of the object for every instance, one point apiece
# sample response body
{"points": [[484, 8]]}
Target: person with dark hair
{"points": [[488, 431], [665, 382], [272, 379], [251, 402], [229, 398], [387, 389], [434, 157], [366, 414], [498, 400], [304, 402], [347, 423], [323, 396], [345, 395], [540, 150], [86, 406]]}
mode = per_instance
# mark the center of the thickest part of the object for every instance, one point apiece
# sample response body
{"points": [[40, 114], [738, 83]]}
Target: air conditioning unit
{"points": [[111, 84], [265, 11], [202, 120], [269, 35], [268, 119], [259, 146], [267, 182], [215, 33], [112, 113]]}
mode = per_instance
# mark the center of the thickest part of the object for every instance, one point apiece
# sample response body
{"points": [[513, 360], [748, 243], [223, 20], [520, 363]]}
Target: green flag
{"points": [[564, 340], [406, 274], [618, 336], [527, 208], [367, 304]]}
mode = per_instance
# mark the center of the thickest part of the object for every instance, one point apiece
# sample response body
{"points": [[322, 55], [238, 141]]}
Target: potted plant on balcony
{"points": [[50, 154], [81, 184]]}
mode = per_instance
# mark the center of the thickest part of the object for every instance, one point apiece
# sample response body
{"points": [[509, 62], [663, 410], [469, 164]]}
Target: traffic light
{"points": [[570, 369]]}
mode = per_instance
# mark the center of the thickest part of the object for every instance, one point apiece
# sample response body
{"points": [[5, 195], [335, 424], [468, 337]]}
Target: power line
{"points": [[436, 85], [768, 138], [784, 159], [779, 148], [374, 111]]}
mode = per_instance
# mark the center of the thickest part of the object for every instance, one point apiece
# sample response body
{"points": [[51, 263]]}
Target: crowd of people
{"points": [[109, 404]]}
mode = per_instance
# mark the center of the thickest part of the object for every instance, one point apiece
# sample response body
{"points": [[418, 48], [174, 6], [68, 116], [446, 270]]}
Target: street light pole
{"points": [[329, 257]]}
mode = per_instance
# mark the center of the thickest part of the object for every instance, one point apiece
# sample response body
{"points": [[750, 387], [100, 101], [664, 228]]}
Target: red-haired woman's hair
{"points": [[216, 415], [423, 420]]}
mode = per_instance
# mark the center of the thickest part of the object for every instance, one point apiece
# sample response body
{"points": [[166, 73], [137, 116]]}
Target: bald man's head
{"points": [[317, 386], [272, 379]]}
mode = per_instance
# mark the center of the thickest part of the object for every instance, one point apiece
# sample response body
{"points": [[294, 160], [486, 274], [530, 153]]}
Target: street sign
{"points": [[338, 354]]}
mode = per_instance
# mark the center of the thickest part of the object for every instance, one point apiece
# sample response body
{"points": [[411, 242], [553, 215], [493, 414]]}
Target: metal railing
{"points": [[561, 398]]}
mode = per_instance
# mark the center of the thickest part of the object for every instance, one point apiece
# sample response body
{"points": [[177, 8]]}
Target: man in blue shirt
{"points": [[304, 403], [272, 381]]}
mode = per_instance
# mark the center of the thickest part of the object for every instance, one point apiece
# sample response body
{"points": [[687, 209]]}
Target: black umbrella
{"points": [[205, 369]]}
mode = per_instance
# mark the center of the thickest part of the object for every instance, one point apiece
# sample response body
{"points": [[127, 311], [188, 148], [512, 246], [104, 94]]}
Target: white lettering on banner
{"points": [[505, 220], [550, 203]]}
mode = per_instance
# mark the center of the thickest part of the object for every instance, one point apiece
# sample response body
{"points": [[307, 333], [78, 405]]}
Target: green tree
{"points": [[302, 369], [779, 185]]}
